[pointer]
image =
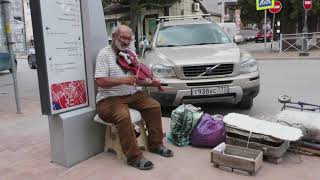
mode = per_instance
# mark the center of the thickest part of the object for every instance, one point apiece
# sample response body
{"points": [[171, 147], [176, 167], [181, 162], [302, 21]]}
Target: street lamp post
{"points": [[5, 5], [307, 5], [305, 31]]}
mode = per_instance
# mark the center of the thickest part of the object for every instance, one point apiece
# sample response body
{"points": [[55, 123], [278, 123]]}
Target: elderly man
{"points": [[117, 91]]}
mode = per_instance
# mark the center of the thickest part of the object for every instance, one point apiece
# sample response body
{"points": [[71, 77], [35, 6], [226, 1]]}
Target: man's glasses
{"points": [[128, 39]]}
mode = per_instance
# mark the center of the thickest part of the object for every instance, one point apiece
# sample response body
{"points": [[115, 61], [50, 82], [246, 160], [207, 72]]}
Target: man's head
{"points": [[122, 37]]}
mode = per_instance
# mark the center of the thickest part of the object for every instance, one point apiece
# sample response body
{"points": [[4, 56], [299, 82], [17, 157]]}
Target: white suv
{"points": [[198, 63]]}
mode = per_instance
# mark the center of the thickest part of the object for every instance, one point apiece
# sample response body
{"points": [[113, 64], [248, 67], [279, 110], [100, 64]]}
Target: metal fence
{"points": [[296, 41]]}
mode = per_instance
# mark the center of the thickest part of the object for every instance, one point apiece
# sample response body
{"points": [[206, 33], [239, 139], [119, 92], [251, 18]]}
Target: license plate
{"points": [[210, 91]]}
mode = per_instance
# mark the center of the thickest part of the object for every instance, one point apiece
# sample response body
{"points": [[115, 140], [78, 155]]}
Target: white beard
{"points": [[119, 46]]}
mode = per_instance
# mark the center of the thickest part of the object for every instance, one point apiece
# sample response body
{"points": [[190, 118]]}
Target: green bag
{"points": [[183, 119]]}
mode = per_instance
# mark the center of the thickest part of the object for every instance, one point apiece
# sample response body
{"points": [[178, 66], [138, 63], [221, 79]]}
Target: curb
{"points": [[288, 58]]}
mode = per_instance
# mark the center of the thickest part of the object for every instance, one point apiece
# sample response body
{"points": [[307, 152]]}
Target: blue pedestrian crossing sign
{"points": [[264, 4]]}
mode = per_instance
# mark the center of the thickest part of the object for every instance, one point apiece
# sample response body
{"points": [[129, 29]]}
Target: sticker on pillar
{"points": [[68, 95]]}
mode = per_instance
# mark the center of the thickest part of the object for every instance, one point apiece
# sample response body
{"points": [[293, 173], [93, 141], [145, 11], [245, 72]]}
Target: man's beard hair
{"points": [[119, 46]]}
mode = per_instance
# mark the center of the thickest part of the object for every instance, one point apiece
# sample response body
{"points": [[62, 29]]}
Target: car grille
{"points": [[209, 83], [221, 69]]}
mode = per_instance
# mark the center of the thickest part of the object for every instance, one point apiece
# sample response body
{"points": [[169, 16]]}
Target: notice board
{"points": [[63, 56]]}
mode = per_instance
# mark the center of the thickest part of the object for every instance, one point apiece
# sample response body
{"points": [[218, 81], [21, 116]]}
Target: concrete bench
{"points": [[112, 141]]}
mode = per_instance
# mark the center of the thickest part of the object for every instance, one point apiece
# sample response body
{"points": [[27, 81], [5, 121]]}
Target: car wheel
{"points": [[31, 65], [245, 103]]}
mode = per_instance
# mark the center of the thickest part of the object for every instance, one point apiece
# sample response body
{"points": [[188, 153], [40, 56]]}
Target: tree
{"points": [[249, 14], [136, 7]]}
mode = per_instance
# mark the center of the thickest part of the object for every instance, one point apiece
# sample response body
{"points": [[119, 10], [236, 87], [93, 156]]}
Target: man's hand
{"points": [[130, 80], [155, 82]]}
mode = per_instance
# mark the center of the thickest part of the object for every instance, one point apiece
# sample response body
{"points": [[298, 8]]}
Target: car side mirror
{"points": [[147, 48]]}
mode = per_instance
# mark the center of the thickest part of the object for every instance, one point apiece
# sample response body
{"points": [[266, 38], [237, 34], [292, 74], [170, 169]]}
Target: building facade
{"points": [[18, 30], [17, 26], [28, 23]]}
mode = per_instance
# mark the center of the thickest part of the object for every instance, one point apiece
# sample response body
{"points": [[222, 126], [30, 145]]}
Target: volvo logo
{"points": [[209, 70]]}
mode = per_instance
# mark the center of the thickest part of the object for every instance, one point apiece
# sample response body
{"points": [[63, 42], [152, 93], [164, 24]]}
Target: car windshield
{"points": [[191, 34]]}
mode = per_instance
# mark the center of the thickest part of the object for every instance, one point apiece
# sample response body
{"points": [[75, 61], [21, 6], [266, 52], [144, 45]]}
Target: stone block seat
{"points": [[112, 141]]}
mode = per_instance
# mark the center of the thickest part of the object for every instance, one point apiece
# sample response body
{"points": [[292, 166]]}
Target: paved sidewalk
{"points": [[25, 152], [290, 55], [25, 155], [258, 51]]}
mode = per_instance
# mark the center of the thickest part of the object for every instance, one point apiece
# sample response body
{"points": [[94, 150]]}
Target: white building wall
{"points": [[28, 22], [17, 21], [182, 8]]}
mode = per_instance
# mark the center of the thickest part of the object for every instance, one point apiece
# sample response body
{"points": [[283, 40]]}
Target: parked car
{"points": [[197, 63], [248, 34], [5, 62], [260, 36], [32, 58]]}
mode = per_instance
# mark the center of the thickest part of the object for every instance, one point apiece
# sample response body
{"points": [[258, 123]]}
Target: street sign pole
{"points": [[264, 5], [304, 31], [305, 27], [277, 8], [8, 29], [265, 30], [307, 5], [273, 19]]}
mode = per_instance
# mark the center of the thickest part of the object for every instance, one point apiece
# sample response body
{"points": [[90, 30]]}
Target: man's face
{"points": [[123, 40]]}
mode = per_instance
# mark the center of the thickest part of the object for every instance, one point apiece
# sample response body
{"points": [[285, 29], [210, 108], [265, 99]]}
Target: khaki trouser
{"points": [[116, 110]]}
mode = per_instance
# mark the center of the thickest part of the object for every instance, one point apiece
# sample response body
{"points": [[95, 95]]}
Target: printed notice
{"points": [[64, 50]]}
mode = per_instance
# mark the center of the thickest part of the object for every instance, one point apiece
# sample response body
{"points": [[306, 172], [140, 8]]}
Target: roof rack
{"points": [[168, 18]]}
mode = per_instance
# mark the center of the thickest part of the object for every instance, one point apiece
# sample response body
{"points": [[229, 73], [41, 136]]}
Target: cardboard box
{"points": [[237, 159]]}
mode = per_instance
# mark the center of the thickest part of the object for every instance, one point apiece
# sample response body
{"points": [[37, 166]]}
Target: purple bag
{"points": [[209, 132]]}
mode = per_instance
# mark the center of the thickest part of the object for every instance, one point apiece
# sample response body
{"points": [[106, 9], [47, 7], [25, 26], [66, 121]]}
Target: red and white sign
{"points": [[307, 4], [277, 7]]}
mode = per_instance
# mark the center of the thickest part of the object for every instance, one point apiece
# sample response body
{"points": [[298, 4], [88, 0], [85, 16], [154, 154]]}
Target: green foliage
{"points": [[316, 8], [249, 14]]}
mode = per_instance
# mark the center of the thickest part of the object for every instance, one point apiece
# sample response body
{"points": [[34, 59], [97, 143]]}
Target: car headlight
{"points": [[161, 71], [248, 64]]}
